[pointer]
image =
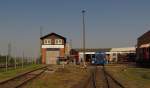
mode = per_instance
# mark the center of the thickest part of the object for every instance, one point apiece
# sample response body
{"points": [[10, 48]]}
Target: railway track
{"points": [[101, 79], [22, 79]]}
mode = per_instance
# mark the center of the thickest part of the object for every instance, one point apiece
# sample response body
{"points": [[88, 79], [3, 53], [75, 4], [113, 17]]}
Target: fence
{"points": [[7, 63]]}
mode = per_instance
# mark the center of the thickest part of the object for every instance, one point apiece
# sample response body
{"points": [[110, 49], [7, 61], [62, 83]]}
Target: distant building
{"points": [[67, 49], [111, 54], [143, 48], [74, 56], [52, 48], [89, 53], [122, 54]]}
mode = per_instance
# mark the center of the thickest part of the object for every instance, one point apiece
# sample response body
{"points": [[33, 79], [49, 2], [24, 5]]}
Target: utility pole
{"points": [[15, 61], [83, 22], [9, 51], [22, 59], [15, 58], [6, 62], [41, 34], [8, 55], [41, 31], [70, 43]]}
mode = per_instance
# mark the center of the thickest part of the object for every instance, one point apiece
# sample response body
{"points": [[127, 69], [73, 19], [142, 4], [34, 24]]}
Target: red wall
{"points": [[43, 55]]}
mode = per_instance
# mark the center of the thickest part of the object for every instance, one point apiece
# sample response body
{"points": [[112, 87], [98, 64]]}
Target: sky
{"points": [[108, 23]]}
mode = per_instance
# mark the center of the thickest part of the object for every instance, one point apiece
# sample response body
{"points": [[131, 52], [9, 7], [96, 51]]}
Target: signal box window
{"points": [[47, 41], [58, 41]]}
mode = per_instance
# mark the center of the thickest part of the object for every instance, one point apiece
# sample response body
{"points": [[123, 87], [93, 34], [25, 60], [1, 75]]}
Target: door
{"points": [[51, 57]]}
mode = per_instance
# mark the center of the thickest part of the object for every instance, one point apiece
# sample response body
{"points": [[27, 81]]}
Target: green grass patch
{"points": [[131, 77], [14, 72]]}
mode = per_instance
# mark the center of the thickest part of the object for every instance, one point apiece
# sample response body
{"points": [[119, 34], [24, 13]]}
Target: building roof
{"points": [[145, 34], [125, 49], [94, 50], [50, 34]]}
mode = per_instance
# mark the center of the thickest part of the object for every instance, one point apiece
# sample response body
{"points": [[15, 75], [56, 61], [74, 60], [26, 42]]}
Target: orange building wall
{"points": [[62, 52]]}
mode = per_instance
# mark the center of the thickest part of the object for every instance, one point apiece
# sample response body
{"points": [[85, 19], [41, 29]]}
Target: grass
{"points": [[61, 78], [131, 77], [14, 72]]}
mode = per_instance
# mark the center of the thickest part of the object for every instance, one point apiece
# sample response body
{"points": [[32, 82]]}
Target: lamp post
{"points": [[83, 22]]}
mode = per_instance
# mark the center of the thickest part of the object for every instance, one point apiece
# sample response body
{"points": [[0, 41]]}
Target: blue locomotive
{"points": [[99, 59]]}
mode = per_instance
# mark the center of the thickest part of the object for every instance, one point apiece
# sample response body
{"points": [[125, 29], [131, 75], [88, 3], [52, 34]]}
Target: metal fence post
{"points": [[6, 62], [22, 60], [15, 62]]}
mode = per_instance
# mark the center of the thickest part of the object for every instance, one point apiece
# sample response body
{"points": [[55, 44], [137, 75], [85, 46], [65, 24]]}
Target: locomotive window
{"points": [[93, 55]]}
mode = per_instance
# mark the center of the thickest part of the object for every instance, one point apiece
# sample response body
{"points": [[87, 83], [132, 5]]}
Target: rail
{"points": [[106, 79], [23, 78], [108, 75]]}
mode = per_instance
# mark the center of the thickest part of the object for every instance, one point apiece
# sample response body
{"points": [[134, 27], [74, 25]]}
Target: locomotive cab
{"points": [[99, 59]]}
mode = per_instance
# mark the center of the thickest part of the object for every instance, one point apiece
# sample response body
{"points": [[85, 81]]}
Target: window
{"points": [[47, 41], [114, 54], [93, 55], [58, 41]]}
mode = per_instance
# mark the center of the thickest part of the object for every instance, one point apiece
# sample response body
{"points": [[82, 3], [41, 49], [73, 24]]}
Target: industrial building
{"points": [[143, 49], [53, 47], [114, 55], [89, 53], [122, 54]]}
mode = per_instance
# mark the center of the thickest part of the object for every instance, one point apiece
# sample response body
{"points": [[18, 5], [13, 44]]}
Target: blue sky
{"points": [[109, 23]]}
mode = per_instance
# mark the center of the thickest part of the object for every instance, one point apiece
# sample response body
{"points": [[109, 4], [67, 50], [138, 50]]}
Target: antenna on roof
{"points": [[70, 43], [41, 31]]}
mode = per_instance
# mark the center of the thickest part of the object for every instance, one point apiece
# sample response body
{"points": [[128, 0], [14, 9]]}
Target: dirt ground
{"points": [[59, 77]]}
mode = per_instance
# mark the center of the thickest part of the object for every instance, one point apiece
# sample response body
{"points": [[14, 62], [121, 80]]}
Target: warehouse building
{"points": [[90, 53], [123, 54], [143, 49], [112, 55], [52, 48]]}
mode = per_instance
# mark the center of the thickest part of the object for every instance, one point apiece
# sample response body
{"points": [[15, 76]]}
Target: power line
{"points": [[83, 22]]}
